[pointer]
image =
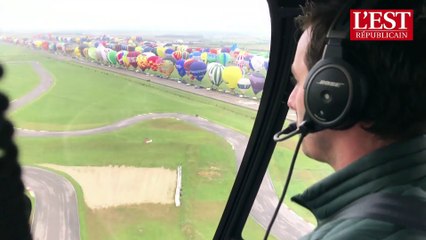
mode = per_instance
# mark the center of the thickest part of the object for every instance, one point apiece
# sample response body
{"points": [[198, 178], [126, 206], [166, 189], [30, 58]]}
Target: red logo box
{"points": [[381, 24]]}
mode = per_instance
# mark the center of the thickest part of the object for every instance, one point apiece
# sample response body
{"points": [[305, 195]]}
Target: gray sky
{"points": [[236, 16]]}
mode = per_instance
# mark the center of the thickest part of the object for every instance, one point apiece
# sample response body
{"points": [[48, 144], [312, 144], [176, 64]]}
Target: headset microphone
{"points": [[304, 128]]}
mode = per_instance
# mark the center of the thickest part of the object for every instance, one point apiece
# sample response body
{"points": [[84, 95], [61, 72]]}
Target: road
{"points": [[56, 211], [56, 215], [287, 226]]}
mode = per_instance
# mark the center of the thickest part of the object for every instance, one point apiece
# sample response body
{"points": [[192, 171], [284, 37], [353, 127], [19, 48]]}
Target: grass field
{"points": [[19, 79], [89, 98]]}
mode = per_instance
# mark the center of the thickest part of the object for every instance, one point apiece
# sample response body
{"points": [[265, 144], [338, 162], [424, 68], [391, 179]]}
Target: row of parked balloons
{"points": [[235, 68]]}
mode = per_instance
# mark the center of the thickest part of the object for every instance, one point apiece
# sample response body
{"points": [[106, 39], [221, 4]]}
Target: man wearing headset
{"points": [[379, 153]]}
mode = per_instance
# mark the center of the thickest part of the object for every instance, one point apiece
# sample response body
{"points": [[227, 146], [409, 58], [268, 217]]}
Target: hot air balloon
{"points": [[266, 64], [196, 55], [126, 62], [52, 47], [92, 53], [142, 62], [167, 68], [180, 67], [211, 57], [85, 52], [244, 84], [257, 81], [185, 55], [120, 56], [139, 49], [112, 57], [204, 56], [215, 73], [161, 52], [154, 62], [223, 58], [77, 52], [198, 70], [148, 54], [231, 75], [239, 60], [257, 62], [187, 66], [100, 52], [177, 55], [214, 51], [131, 57], [45, 45], [168, 51]]}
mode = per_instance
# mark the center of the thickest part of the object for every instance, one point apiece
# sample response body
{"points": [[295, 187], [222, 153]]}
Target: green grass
{"points": [[84, 97], [106, 98], [19, 79], [201, 189]]}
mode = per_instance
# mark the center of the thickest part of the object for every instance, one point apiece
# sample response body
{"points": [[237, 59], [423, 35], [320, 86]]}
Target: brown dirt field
{"points": [[113, 186]]}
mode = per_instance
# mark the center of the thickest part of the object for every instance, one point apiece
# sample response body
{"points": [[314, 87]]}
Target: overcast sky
{"points": [[237, 16]]}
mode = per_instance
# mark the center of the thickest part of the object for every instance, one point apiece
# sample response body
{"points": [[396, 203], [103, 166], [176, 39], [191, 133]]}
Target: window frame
{"points": [[270, 117]]}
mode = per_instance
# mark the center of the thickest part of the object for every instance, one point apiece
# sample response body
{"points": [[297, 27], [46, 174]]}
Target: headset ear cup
{"points": [[333, 95]]}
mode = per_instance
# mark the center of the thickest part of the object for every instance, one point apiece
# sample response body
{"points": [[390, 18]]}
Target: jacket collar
{"points": [[396, 164]]}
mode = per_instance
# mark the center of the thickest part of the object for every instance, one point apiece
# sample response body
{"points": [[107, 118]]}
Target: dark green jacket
{"points": [[399, 168]]}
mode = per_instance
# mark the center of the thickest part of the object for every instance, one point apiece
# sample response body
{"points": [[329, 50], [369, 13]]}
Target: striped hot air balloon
{"points": [[177, 55], [244, 84], [214, 71]]}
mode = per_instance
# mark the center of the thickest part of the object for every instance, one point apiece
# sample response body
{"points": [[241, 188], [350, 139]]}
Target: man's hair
{"points": [[395, 71]]}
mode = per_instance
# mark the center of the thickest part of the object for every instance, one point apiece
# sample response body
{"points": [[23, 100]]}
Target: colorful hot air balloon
{"points": [[120, 56], [196, 55], [198, 70], [167, 68], [112, 57], [139, 49], [126, 62], [185, 55], [77, 52], [85, 52], [161, 52], [177, 55], [257, 62], [154, 62], [211, 57], [131, 56], [180, 67], [92, 53], [45, 45], [224, 58], [168, 51], [204, 56], [100, 52], [244, 84], [187, 66], [142, 62], [231, 75], [215, 73], [257, 81]]}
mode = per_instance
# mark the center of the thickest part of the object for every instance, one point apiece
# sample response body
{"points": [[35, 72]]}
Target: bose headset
{"points": [[335, 92]]}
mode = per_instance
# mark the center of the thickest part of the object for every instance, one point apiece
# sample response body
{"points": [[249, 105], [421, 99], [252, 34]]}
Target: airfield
{"points": [[169, 121]]}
